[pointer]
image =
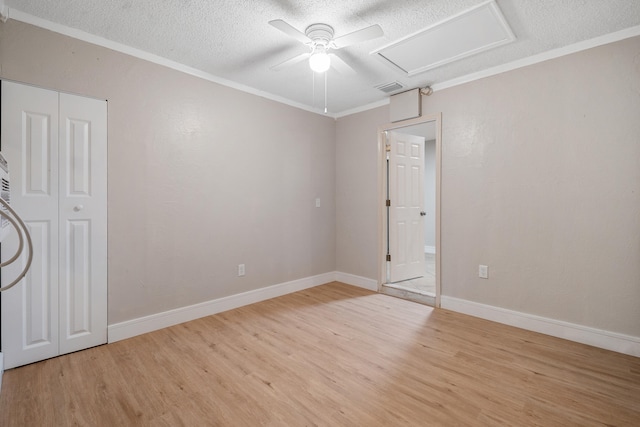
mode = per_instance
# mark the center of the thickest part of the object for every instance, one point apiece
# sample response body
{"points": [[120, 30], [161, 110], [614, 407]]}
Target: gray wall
{"points": [[540, 181], [357, 192], [201, 177]]}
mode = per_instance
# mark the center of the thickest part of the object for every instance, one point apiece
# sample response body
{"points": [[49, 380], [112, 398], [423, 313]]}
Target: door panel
{"points": [[78, 284], [37, 143], [30, 145], [83, 222], [78, 152], [406, 192], [39, 326]]}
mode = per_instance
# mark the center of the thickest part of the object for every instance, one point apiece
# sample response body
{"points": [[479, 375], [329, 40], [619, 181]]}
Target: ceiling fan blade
{"points": [[290, 31], [341, 67], [358, 36], [291, 61]]}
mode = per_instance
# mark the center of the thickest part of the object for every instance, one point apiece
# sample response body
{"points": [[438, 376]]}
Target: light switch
{"points": [[483, 271], [318, 202]]}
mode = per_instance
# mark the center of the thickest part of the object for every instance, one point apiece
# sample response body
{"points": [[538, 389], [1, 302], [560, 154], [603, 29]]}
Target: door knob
{"points": [[78, 208], [423, 213]]}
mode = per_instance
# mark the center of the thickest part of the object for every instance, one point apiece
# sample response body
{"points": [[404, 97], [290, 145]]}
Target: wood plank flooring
{"points": [[334, 355]]}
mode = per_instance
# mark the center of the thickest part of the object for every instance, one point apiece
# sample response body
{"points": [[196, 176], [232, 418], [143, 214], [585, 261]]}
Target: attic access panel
{"points": [[473, 31]]}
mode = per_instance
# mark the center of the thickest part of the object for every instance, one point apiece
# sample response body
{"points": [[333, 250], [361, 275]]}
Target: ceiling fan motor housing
{"points": [[320, 33]]}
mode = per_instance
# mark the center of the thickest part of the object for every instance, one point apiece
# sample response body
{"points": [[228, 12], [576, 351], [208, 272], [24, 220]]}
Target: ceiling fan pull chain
{"points": [[325, 92]]}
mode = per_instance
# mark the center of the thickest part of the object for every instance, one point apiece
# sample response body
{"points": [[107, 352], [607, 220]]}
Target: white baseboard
{"points": [[1, 370], [429, 249], [142, 325], [359, 281], [613, 341]]}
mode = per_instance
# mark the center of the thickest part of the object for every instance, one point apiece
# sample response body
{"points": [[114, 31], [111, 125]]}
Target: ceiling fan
{"points": [[319, 38]]}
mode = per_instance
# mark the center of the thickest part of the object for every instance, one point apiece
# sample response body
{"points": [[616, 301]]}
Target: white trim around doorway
{"points": [[382, 211]]}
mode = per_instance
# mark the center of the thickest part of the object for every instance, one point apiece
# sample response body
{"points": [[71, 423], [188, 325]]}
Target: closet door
{"points": [[30, 145], [56, 146], [83, 222]]}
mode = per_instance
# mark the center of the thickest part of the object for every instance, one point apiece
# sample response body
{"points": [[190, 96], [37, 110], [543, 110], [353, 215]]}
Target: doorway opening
{"points": [[409, 189]]}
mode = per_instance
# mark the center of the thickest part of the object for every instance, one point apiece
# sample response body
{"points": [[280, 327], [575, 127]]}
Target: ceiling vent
{"points": [[389, 87], [473, 31]]}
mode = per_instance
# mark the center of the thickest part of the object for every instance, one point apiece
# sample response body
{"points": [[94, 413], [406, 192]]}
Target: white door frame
{"points": [[382, 194]]}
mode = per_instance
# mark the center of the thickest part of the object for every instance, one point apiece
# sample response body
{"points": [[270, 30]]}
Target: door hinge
{"points": [[388, 202], [388, 257], [388, 147]]}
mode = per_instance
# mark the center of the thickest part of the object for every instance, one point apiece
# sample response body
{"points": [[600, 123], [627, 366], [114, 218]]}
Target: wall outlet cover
{"points": [[483, 271]]}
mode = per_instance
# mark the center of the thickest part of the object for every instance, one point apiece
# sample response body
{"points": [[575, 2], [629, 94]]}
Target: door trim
{"points": [[382, 208]]}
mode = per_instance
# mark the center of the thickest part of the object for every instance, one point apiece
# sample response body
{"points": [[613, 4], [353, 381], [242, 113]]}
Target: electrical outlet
{"points": [[483, 271], [240, 270], [318, 202]]}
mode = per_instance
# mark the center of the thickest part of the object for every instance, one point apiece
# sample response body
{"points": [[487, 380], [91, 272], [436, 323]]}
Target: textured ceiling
{"points": [[232, 40]]}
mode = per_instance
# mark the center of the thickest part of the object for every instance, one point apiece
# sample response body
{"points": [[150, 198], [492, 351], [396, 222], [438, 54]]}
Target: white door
{"points": [[30, 145], [55, 145], [406, 216], [82, 222]]}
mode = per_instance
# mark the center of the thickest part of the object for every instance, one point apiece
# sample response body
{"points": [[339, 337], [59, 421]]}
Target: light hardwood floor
{"points": [[334, 355]]}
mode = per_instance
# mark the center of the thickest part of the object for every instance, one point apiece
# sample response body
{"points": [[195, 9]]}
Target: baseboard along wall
{"points": [[598, 338], [142, 325], [607, 340], [359, 281]]}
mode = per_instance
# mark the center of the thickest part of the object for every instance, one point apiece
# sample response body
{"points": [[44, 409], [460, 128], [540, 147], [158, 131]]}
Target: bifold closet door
{"points": [[30, 145], [82, 228], [56, 147]]}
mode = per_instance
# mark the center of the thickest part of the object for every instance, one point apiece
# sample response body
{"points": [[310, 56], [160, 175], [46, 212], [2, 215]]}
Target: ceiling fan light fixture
{"points": [[319, 61]]}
